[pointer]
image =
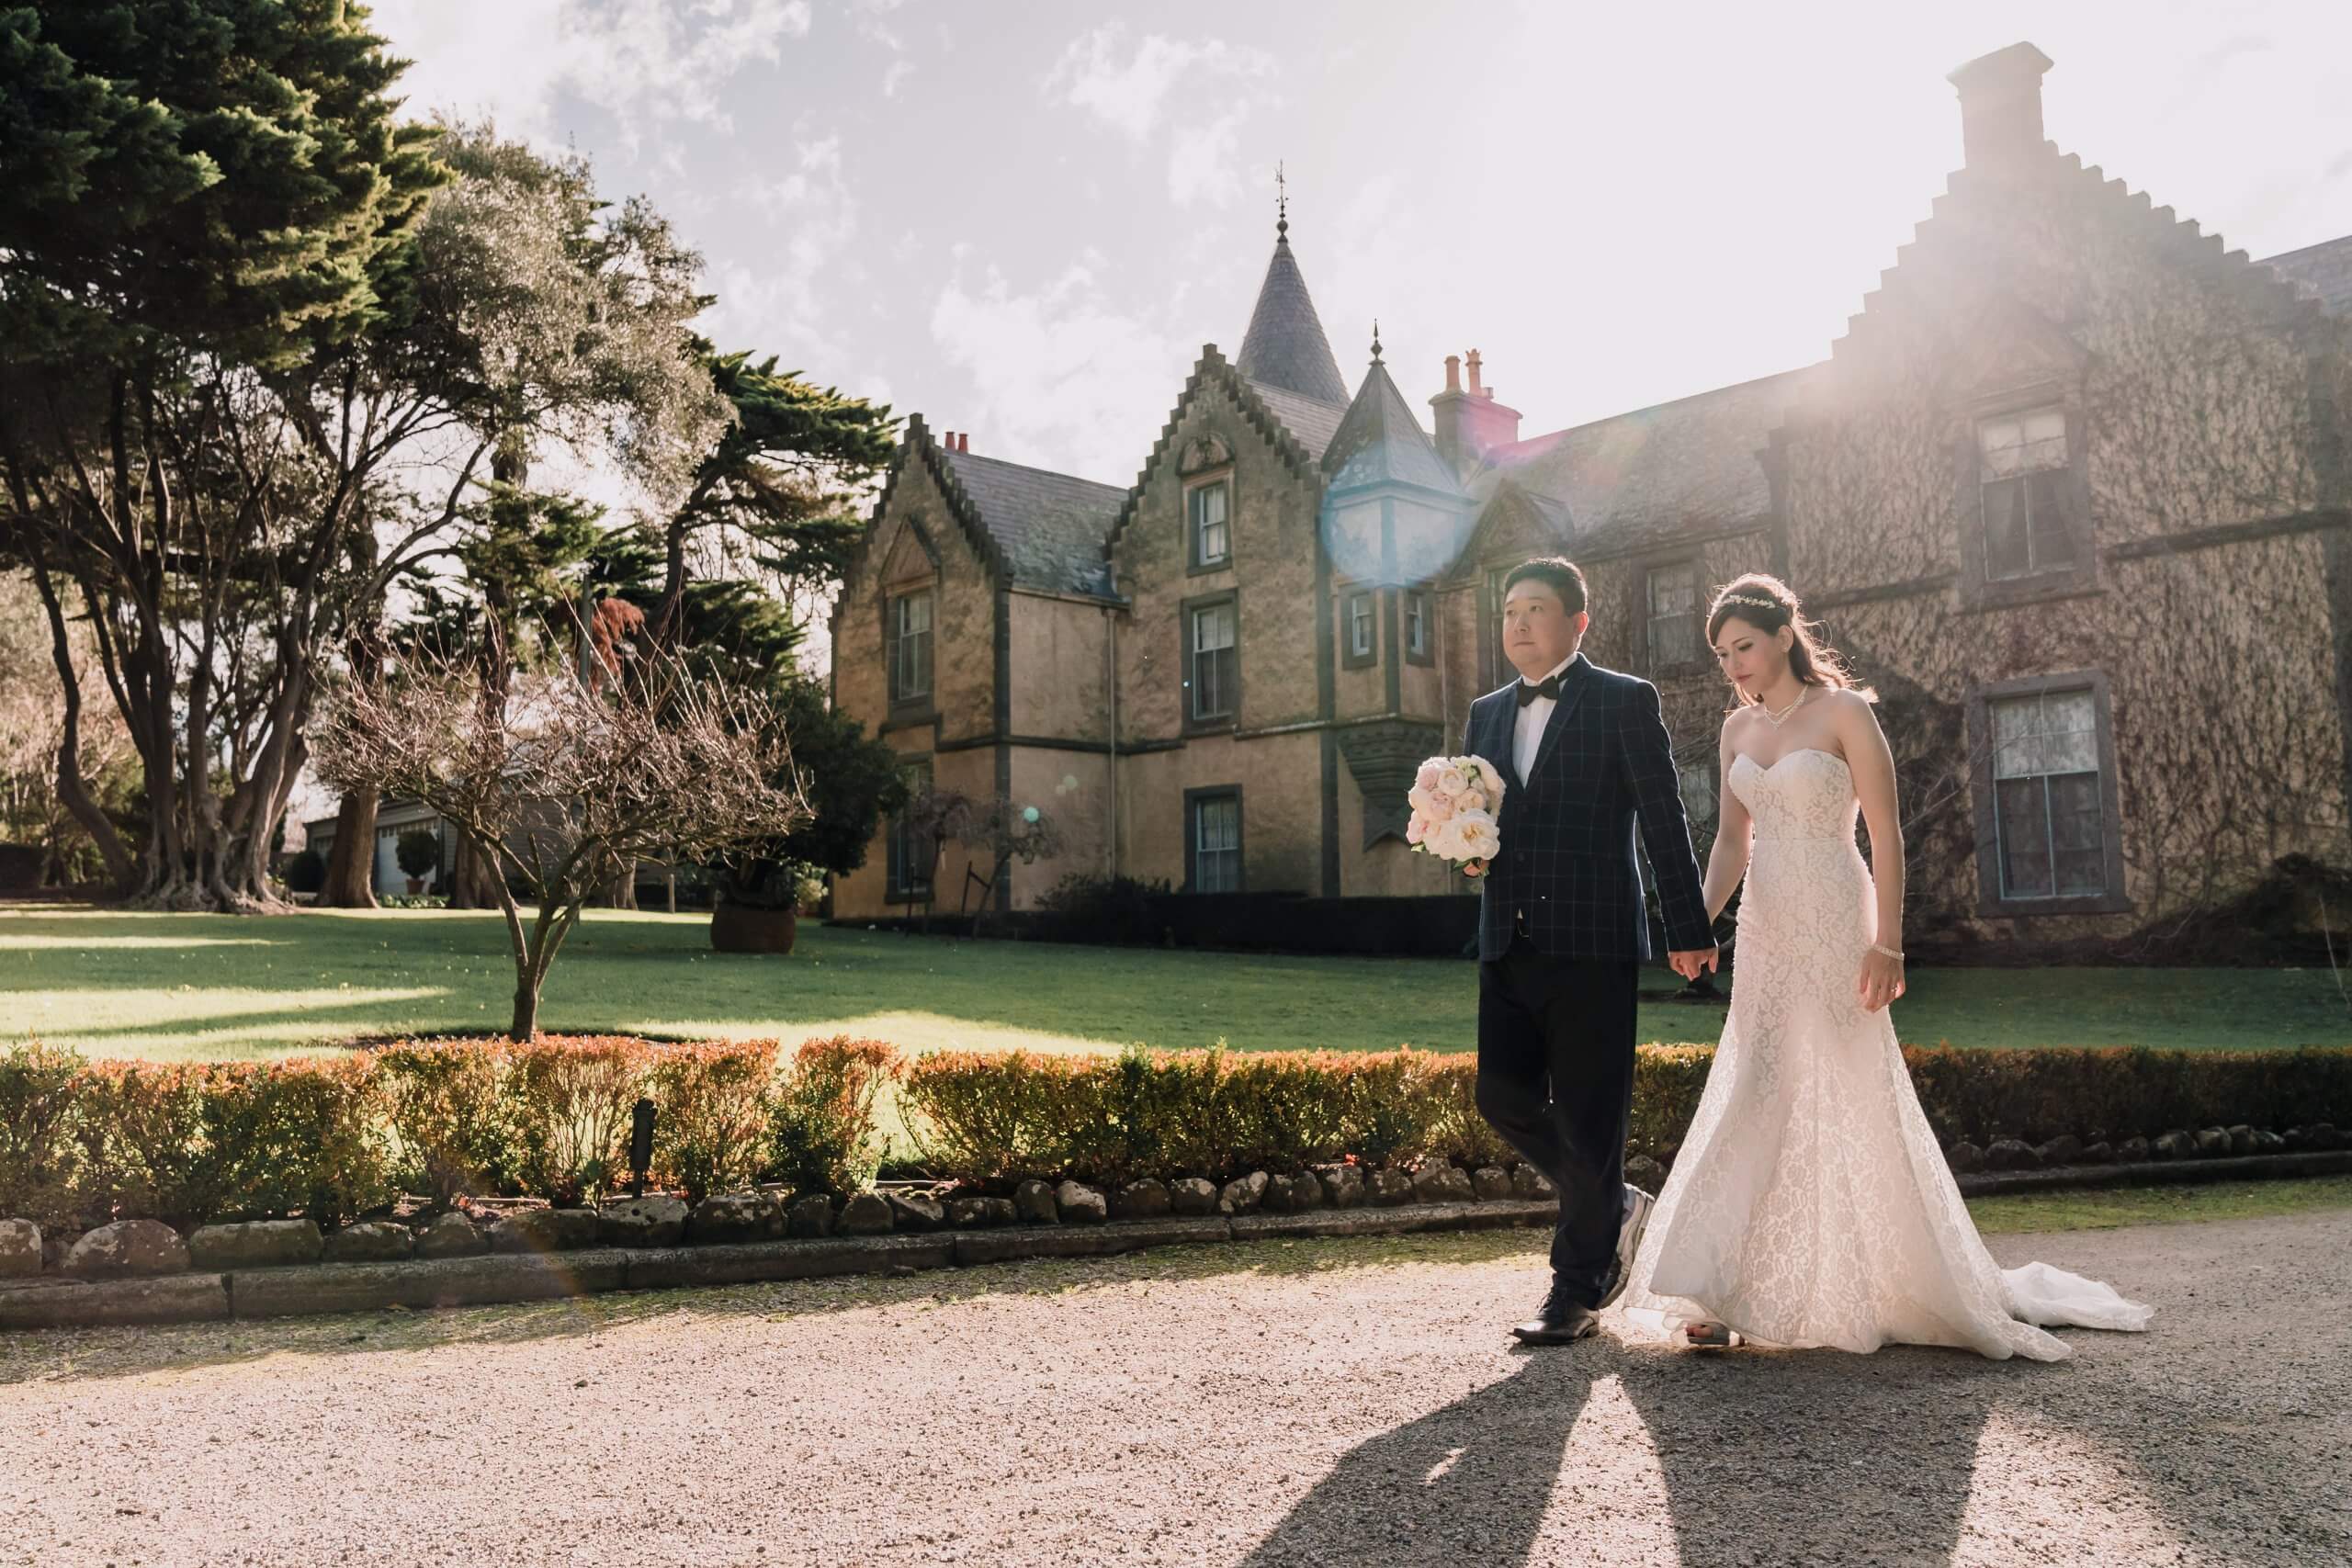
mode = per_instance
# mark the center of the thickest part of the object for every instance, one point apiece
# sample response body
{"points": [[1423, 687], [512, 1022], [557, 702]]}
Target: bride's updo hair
{"points": [[1765, 602]]}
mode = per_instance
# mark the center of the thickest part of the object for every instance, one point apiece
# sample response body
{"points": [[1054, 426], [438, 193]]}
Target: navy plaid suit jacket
{"points": [[1568, 866]]}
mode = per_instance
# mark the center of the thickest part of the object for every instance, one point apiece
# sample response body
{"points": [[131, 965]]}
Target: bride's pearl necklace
{"points": [[1775, 719]]}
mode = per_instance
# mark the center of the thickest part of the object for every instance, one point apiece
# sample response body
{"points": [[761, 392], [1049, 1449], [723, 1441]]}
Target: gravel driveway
{"points": [[1336, 1402]]}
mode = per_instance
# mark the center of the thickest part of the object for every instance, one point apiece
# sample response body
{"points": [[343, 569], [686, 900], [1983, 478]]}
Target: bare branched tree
{"points": [[563, 787]]}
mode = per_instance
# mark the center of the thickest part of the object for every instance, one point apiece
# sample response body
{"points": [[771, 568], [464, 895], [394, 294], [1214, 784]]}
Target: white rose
{"points": [[1436, 808], [1491, 782], [1472, 800], [1445, 839], [1451, 781], [1474, 832]]}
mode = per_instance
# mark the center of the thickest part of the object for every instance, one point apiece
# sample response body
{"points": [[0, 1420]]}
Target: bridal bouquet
{"points": [[1455, 801]]}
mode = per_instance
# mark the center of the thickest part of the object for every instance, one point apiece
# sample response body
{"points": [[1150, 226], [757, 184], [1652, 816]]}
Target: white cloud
{"points": [[1128, 93], [1062, 377], [1201, 161], [898, 72], [647, 62], [778, 303]]}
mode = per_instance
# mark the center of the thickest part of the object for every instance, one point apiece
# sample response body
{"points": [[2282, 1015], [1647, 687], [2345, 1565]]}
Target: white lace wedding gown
{"points": [[1809, 1205]]}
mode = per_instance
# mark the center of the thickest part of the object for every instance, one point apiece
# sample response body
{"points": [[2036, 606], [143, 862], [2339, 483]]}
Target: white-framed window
{"points": [[1673, 614], [910, 651], [1212, 528], [1215, 660], [2048, 811], [1417, 623], [2022, 478], [1364, 635], [1217, 843]]}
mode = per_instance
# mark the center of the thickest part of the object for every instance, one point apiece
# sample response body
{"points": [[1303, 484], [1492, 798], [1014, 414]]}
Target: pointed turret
{"points": [[1285, 347], [1393, 511]]}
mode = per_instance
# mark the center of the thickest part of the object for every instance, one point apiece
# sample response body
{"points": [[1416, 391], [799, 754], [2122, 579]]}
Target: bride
{"points": [[1809, 1205]]}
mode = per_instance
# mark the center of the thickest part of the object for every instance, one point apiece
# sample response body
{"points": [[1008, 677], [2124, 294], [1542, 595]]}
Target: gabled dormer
{"points": [[1392, 511]]}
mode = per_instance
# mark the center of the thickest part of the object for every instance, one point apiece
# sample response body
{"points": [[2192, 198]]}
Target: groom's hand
{"points": [[1687, 963]]}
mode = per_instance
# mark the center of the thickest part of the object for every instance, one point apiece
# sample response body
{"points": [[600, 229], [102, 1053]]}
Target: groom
{"points": [[1562, 932]]}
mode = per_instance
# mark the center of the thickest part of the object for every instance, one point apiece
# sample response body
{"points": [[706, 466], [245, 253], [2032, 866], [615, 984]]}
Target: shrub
{"points": [[570, 1099], [716, 1104], [418, 850], [307, 1134], [1116, 910], [39, 1162], [144, 1152], [306, 873], [450, 1115], [821, 1134]]}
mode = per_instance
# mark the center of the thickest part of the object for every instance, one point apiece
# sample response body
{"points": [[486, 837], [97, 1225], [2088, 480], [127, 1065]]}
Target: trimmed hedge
{"points": [[187, 1143], [991, 1117], [83, 1142]]}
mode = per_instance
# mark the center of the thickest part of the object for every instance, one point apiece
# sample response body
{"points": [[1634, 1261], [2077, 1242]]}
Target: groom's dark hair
{"points": [[1556, 572]]}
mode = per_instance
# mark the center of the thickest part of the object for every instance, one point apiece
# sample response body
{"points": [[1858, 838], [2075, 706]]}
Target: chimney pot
{"points": [[963, 441], [2000, 105], [1477, 389], [1453, 373]]}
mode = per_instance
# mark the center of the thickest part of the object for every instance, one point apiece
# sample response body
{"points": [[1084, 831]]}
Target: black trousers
{"points": [[1556, 1077]]}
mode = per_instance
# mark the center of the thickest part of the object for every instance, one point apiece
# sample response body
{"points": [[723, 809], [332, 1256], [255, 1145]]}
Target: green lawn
{"points": [[177, 985]]}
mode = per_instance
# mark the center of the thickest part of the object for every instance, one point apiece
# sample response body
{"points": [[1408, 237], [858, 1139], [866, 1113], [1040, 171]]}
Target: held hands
{"points": [[1689, 962], [1881, 980]]}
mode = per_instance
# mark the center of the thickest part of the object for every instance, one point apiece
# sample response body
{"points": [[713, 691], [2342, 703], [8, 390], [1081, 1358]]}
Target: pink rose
{"points": [[1426, 779], [1413, 829]]}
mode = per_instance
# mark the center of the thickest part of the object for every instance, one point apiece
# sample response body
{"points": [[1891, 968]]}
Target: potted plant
{"points": [[851, 780], [419, 853]]}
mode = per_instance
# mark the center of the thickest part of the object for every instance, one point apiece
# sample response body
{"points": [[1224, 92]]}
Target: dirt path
{"points": [[1317, 1403]]}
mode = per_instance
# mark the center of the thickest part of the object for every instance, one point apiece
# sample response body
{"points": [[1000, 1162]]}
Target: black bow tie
{"points": [[1547, 687]]}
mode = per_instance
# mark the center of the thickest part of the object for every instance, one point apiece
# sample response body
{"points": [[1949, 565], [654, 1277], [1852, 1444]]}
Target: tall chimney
{"points": [[1453, 373], [963, 441], [1471, 424], [2000, 106]]}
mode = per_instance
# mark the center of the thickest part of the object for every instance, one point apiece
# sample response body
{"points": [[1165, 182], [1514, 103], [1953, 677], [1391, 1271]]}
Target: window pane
{"points": [[1216, 844], [2019, 444], [2022, 827], [1674, 590], [2052, 543], [1209, 522], [2070, 726], [1417, 610], [1360, 624], [2007, 552], [1212, 661], [2016, 738]]}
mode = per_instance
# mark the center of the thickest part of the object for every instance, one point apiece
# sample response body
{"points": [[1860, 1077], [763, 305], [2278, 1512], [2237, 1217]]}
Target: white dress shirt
{"points": [[1527, 737]]}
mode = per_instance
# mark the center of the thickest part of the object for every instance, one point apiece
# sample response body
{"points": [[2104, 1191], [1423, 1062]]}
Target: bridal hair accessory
{"points": [[1751, 599]]}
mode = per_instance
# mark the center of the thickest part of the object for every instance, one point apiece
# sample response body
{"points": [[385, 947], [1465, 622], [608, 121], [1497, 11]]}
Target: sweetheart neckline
{"points": [[1794, 751]]}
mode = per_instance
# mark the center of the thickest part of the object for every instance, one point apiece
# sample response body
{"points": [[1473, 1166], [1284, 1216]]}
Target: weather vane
{"points": [[1281, 201]]}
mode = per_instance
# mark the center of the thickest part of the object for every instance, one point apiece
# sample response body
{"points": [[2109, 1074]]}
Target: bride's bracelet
{"points": [[1888, 951]]}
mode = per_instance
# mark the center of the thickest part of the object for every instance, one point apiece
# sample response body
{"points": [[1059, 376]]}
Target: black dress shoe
{"points": [[1560, 1320]]}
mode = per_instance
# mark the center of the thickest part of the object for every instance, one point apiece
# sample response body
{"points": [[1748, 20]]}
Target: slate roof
{"points": [[1051, 527], [1285, 347], [2326, 269], [1380, 442], [1658, 471], [1312, 422]]}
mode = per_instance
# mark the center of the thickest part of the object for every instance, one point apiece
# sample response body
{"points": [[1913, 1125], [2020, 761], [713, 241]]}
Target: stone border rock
{"points": [[555, 1254]]}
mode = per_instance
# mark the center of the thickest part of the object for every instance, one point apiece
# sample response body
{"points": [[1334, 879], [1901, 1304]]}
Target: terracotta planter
{"points": [[734, 929], [415, 886]]}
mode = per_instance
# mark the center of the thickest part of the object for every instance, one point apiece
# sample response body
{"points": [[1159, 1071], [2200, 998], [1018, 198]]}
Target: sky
{"points": [[1023, 220]]}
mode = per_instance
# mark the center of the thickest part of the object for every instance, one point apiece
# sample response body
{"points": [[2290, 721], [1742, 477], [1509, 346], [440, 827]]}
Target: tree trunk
{"points": [[472, 879], [525, 1027], [351, 865], [73, 792], [622, 894]]}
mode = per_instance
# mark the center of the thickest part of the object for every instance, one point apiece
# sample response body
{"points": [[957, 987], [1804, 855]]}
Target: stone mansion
{"points": [[2074, 492]]}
